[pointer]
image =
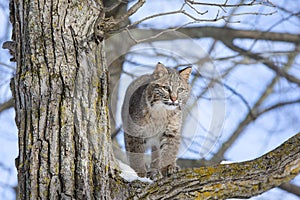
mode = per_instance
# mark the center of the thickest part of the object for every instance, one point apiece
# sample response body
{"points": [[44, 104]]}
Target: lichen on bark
{"points": [[60, 89]]}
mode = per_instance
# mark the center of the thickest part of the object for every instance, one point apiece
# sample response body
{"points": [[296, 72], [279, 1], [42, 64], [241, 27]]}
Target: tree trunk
{"points": [[61, 101]]}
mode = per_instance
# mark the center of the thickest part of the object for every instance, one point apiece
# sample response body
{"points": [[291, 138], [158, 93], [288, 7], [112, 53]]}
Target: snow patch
{"points": [[130, 175], [223, 162]]}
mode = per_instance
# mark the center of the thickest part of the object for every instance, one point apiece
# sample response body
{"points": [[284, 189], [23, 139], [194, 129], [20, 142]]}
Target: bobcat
{"points": [[152, 118]]}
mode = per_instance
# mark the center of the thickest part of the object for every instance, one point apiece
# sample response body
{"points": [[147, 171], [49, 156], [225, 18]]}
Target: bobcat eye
{"points": [[180, 90], [155, 86], [167, 88]]}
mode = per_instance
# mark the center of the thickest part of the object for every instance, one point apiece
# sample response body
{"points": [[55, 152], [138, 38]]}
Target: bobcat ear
{"points": [[160, 70], [185, 73]]}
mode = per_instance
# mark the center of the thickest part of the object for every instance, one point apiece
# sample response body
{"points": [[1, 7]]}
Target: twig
{"points": [[265, 61], [6, 105], [281, 104], [112, 7], [8, 66], [130, 11], [241, 98], [252, 3]]}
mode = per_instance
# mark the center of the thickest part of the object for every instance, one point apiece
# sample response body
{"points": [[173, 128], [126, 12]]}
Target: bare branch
{"points": [[291, 12], [113, 6], [217, 17], [252, 3], [164, 14], [240, 96], [289, 187], [134, 8], [265, 61], [6, 105], [196, 18], [278, 105], [225, 33], [8, 66], [130, 11]]}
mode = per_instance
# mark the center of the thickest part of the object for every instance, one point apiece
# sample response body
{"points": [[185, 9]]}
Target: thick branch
{"points": [[237, 180], [294, 189], [221, 33], [225, 33]]}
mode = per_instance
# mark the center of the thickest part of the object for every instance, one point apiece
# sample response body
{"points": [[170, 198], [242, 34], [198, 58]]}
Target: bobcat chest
{"points": [[157, 121]]}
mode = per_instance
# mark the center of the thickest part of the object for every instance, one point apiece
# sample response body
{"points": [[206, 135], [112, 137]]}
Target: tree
{"points": [[62, 107]]}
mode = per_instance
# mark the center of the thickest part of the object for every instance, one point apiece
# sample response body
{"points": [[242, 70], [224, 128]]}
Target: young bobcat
{"points": [[152, 118]]}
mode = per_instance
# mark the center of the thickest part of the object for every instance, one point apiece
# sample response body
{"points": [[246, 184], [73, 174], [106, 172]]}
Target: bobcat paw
{"points": [[142, 173], [154, 175], [170, 169]]}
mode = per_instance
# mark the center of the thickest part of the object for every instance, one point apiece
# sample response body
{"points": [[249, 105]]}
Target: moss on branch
{"points": [[236, 180]]}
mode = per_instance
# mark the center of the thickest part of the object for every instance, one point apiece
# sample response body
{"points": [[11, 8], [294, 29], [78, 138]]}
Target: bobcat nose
{"points": [[173, 98]]}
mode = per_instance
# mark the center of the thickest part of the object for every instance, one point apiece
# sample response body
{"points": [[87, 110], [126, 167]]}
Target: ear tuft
{"points": [[185, 73], [160, 70]]}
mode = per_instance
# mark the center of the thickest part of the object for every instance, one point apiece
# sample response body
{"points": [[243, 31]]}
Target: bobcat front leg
{"points": [[169, 148]]}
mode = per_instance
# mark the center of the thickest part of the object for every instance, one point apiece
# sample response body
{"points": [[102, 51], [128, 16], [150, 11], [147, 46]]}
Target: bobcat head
{"points": [[169, 87]]}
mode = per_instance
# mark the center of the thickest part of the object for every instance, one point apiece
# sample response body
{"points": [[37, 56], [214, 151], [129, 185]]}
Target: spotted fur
{"points": [[152, 118]]}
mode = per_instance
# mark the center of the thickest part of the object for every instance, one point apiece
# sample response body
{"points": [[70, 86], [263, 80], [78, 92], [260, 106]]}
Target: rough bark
{"points": [[61, 101]]}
